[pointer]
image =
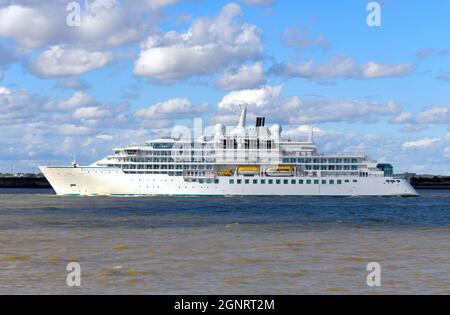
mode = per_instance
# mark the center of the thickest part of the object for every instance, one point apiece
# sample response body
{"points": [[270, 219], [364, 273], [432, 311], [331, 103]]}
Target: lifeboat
{"points": [[248, 170], [280, 171], [225, 173]]}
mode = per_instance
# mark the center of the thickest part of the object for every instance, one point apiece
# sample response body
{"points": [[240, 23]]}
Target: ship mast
{"points": [[243, 117]]}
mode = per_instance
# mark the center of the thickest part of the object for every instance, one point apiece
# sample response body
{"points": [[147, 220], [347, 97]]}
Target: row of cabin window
{"points": [[331, 167], [292, 181], [162, 167], [320, 160]]}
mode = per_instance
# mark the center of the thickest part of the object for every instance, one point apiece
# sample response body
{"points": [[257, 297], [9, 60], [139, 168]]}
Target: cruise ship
{"points": [[253, 160]]}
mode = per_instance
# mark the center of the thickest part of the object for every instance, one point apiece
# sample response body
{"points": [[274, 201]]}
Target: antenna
{"points": [[311, 135], [74, 162]]}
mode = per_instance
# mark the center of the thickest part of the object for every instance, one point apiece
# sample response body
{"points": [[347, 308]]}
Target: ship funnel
{"points": [[243, 117]]}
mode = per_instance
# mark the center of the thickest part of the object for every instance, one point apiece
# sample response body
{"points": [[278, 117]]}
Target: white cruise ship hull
{"points": [[102, 181]]}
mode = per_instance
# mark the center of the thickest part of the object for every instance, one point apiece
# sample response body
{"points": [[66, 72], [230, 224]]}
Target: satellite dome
{"points": [[219, 129], [276, 130]]}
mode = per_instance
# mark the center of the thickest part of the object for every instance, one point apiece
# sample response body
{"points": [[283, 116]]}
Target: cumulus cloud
{"points": [[104, 23], [177, 108], [30, 27], [403, 117], [60, 61], [245, 77], [4, 90], [341, 67], [421, 143], [320, 111], [93, 112], [74, 130], [210, 45], [293, 110], [77, 100], [254, 97], [72, 83], [16, 107], [160, 4], [435, 115]]}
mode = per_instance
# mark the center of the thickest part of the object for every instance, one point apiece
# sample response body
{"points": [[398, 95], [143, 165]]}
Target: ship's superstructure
{"points": [[244, 161]]}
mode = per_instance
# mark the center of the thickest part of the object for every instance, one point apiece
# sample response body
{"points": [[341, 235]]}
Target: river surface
{"points": [[234, 245]]}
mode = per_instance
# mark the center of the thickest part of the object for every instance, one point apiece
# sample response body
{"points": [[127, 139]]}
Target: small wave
{"points": [[352, 259], [15, 258]]}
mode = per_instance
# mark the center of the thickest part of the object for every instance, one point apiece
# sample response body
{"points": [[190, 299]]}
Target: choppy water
{"points": [[238, 245]]}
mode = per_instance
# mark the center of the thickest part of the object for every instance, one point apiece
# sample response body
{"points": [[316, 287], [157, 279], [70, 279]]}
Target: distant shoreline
{"points": [[38, 182], [24, 182]]}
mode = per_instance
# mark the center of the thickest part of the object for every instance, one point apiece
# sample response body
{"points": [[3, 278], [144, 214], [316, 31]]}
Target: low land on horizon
{"points": [[31, 181]]}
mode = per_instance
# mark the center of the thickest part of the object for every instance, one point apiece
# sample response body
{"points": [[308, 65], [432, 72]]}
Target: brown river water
{"points": [[240, 245]]}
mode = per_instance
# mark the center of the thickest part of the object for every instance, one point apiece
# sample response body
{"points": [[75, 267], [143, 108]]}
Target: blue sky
{"points": [[131, 70]]}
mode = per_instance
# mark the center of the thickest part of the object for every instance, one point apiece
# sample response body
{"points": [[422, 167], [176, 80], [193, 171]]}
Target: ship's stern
{"points": [[408, 190]]}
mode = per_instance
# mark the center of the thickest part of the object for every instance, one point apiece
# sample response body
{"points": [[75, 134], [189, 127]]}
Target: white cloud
{"points": [[293, 110], [303, 131], [160, 4], [246, 77], [30, 27], [207, 47], [176, 108], [435, 115], [342, 67], [74, 130], [78, 99], [93, 112], [256, 97], [104, 23], [402, 118], [73, 83], [320, 111], [19, 106], [61, 61], [108, 23], [4, 90], [421, 143], [105, 137]]}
